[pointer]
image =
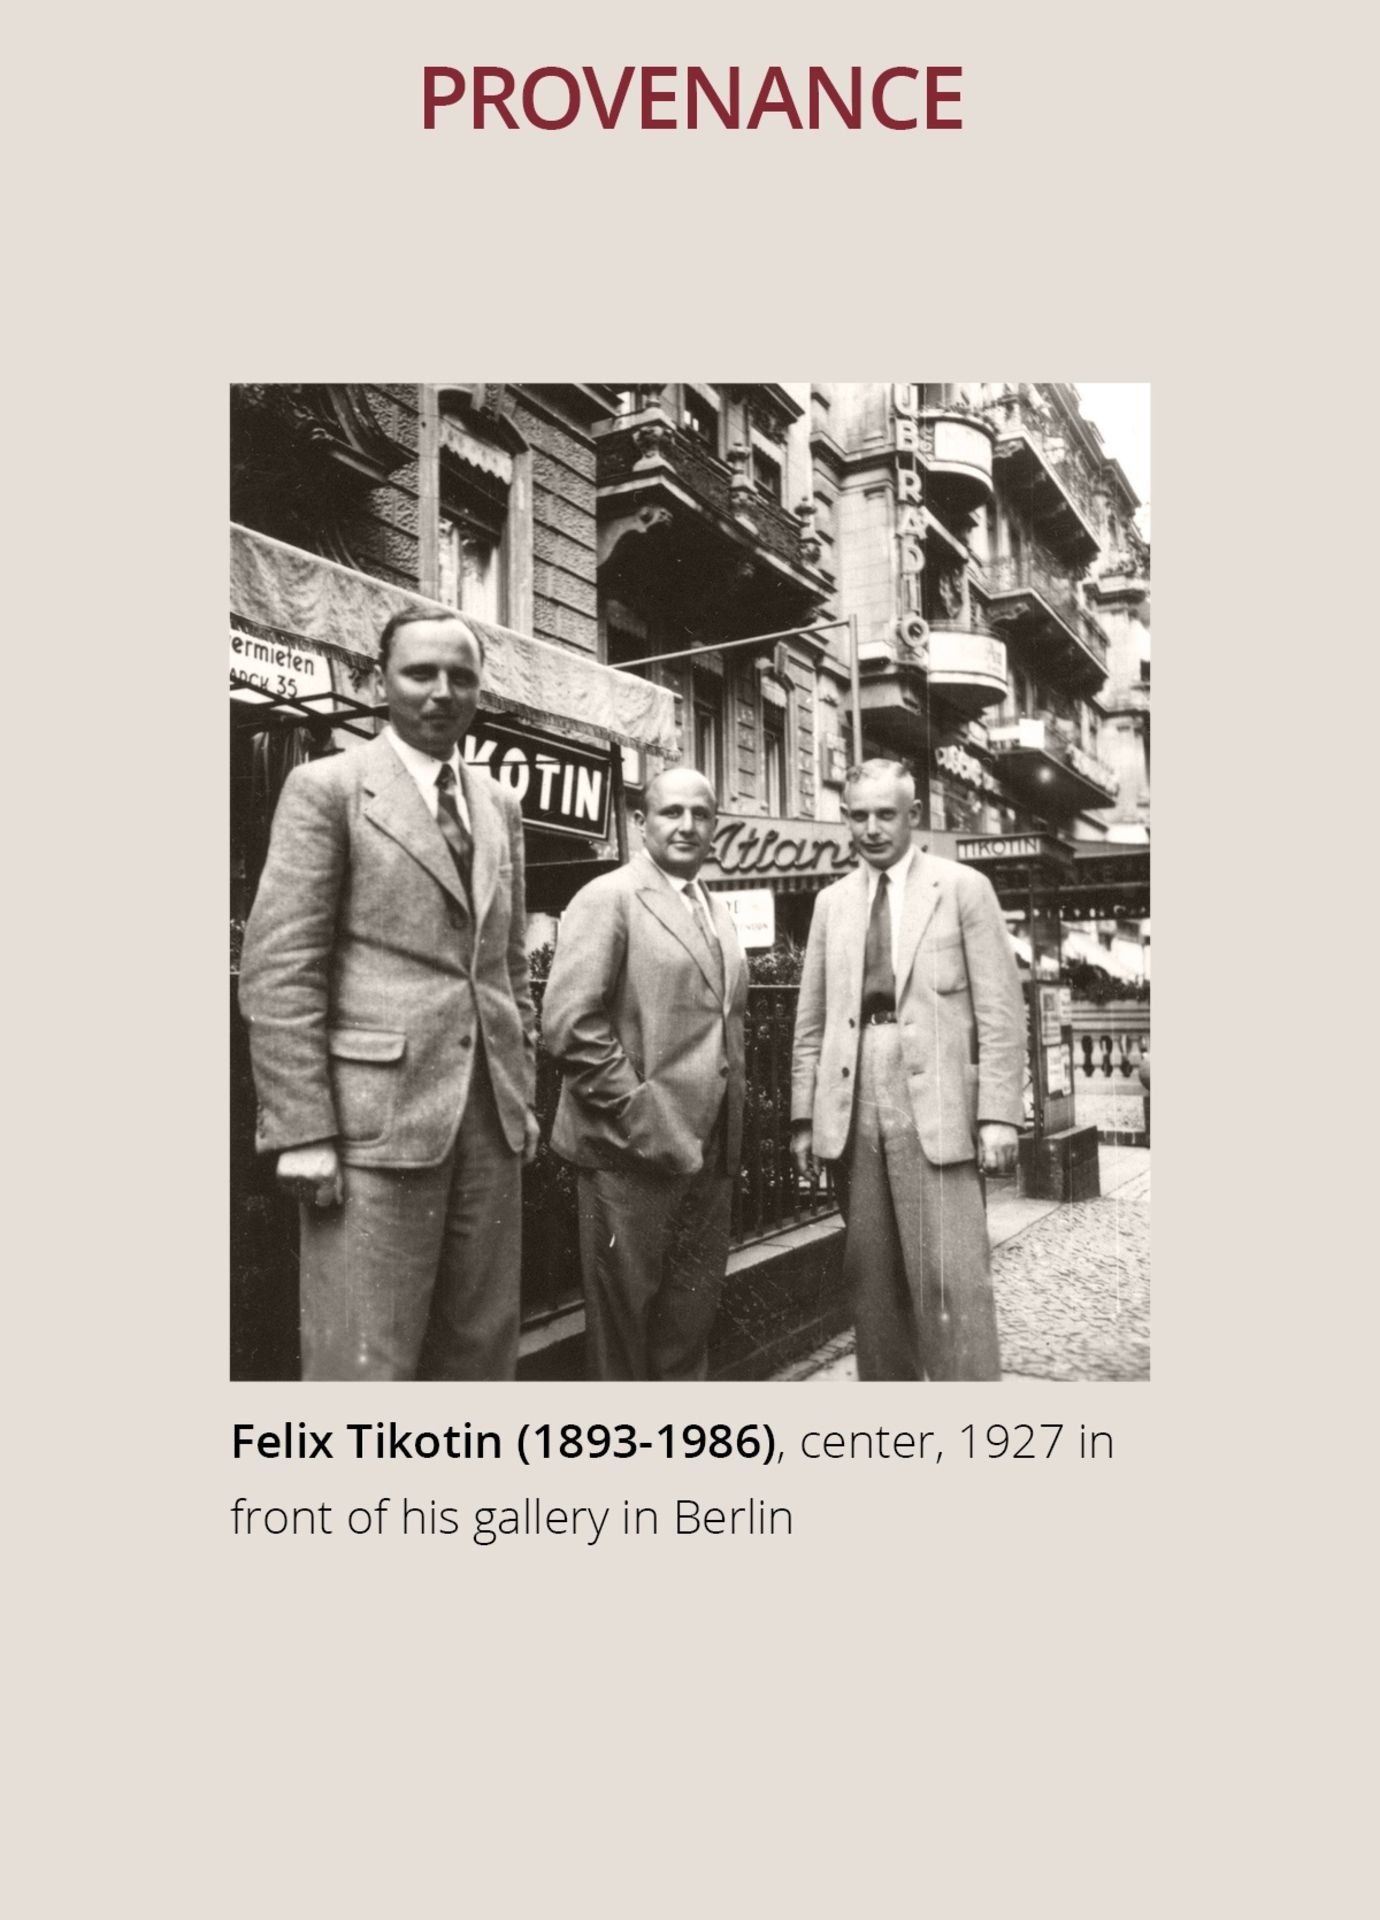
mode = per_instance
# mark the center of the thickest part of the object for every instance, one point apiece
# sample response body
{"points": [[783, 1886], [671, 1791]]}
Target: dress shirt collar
{"points": [[897, 876], [424, 768], [689, 890]]}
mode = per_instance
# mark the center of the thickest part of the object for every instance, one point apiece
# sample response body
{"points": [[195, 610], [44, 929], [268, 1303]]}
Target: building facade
{"points": [[984, 548], [712, 581], [976, 544]]}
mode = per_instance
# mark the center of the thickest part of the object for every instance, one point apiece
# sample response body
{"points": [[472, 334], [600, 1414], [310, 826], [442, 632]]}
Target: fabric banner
{"points": [[301, 596]]}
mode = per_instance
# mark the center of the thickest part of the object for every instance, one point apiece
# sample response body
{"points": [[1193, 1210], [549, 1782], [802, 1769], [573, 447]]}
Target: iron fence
{"points": [[771, 1195]]}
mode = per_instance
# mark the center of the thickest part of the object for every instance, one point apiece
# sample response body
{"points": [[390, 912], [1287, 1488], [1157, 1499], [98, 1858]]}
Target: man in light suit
{"points": [[908, 1061], [644, 1013], [384, 980]]}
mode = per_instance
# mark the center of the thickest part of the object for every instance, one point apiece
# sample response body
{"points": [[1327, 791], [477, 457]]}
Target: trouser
{"points": [[653, 1249], [417, 1275], [917, 1260]]}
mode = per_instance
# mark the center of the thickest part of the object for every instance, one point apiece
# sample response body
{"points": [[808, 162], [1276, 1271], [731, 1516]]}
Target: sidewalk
{"points": [[1072, 1282]]}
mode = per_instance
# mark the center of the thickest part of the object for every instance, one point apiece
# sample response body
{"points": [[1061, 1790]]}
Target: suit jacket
{"points": [[959, 1010], [367, 979], [647, 1043]]}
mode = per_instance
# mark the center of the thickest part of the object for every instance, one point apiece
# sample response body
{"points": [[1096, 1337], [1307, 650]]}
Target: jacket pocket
{"points": [[364, 1077], [647, 1136], [945, 967]]}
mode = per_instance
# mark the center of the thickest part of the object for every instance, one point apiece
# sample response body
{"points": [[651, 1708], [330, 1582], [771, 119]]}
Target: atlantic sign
{"points": [[769, 848]]}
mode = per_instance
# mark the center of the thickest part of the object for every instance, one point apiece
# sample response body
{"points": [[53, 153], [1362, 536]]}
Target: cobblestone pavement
{"points": [[1072, 1284], [1073, 1291]]}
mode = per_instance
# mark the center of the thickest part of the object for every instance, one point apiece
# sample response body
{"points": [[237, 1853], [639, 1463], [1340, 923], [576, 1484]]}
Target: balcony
{"points": [[891, 678], [1038, 466], [956, 448], [1040, 760], [1125, 696], [654, 476], [967, 666], [1043, 609]]}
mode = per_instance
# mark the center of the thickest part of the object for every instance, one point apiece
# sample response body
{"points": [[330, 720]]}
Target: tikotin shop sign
{"points": [[561, 788]]}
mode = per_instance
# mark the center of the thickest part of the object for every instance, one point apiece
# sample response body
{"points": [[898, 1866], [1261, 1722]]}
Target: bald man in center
{"points": [[644, 1014]]}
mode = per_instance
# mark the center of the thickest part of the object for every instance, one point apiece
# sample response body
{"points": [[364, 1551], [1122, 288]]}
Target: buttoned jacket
{"points": [[960, 1013], [649, 1044], [369, 979]]}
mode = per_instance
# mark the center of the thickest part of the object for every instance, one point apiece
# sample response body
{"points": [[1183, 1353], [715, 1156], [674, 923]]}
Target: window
{"points": [[700, 417], [707, 731], [472, 534], [470, 570], [825, 512], [766, 475], [774, 783]]}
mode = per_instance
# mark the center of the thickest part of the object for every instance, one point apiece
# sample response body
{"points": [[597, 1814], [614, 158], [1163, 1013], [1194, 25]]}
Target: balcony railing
{"points": [[1026, 575], [967, 662], [647, 444], [958, 444], [1111, 1044], [1015, 413]]}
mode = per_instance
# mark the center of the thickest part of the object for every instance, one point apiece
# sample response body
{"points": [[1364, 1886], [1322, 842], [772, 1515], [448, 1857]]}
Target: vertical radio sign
{"points": [[910, 515]]}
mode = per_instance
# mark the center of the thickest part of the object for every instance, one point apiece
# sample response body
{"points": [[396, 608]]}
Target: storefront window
{"points": [[963, 808], [261, 758]]}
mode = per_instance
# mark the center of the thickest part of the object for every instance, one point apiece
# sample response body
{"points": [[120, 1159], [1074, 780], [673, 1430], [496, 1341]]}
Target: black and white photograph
{"points": [[690, 881]]}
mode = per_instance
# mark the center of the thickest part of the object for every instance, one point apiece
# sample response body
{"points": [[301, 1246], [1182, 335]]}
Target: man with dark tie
{"points": [[907, 1073], [384, 980], [644, 1013]]}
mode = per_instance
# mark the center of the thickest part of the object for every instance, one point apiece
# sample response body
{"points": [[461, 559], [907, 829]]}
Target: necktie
{"points": [[879, 977], [706, 927], [448, 820]]}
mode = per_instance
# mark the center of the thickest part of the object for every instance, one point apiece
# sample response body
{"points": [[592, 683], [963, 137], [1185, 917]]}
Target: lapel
{"points": [[849, 929], [396, 807], [487, 833], [735, 960], [659, 897], [922, 897]]}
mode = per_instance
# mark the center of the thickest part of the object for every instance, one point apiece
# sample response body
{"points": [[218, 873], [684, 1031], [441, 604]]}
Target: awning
{"points": [[303, 601], [771, 883]]}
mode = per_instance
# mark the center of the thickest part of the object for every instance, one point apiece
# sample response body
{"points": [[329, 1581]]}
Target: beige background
{"points": [[977, 1690]]}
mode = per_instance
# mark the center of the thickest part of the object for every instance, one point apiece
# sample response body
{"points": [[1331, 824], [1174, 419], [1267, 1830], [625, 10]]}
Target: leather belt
{"points": [[879, 1019]]}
